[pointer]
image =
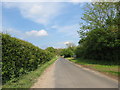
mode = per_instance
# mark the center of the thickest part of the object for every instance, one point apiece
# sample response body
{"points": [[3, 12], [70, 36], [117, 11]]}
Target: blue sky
{"points": [[43, 24]]}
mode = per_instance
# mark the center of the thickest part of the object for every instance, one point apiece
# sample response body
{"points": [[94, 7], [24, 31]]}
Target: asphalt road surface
{"points": [[65, 74]]}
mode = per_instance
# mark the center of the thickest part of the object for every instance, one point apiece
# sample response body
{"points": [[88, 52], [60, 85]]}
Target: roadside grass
{"points": [[110, 69], [27, 80]]}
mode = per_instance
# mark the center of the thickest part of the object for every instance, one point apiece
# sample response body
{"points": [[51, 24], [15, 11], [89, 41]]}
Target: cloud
{"points": [[25, 35], [67, 42], [37, 33], [70, 30], [41, 13]]}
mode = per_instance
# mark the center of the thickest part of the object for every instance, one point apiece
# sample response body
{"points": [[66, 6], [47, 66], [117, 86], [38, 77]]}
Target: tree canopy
{"points": [[100, 34]]}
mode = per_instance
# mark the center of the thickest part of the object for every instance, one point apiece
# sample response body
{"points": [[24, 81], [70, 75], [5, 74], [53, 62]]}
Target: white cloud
{"points": [[70, 30], [67, 42], [37, 33], [41, 13], [25, 35]]}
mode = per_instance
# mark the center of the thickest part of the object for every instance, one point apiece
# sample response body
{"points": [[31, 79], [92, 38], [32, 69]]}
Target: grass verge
{"points": [[105, 68], [26, 81]]}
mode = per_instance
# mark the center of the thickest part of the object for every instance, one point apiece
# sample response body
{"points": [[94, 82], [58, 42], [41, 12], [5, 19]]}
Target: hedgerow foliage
{"points": [[20, 57]]}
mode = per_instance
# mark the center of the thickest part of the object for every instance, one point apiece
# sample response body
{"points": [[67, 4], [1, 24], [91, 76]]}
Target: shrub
{"points": [[20, 57]]}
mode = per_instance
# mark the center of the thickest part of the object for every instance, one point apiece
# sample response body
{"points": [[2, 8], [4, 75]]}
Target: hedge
{"points": [[20, 57]]}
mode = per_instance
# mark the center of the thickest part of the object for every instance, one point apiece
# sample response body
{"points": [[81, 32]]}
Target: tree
{"points": [[100, 15], [67, 52], [51, 49], [100, 37], [70, 44]]}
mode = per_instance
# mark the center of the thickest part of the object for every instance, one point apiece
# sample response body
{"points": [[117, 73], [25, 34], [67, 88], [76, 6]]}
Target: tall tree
{"points": [[100, 15], [99, 34]]}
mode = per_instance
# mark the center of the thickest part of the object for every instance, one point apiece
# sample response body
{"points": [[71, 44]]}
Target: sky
{"points": [[43, 24]]}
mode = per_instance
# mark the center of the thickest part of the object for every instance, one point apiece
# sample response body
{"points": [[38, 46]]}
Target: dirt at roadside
{"points": [[46, 80]]}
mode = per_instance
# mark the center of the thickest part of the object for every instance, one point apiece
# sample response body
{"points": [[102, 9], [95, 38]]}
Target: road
{"points": [[65, 74]]}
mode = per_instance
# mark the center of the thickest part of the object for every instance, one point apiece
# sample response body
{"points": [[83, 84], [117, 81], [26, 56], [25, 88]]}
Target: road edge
{"points": [[94, 71]]}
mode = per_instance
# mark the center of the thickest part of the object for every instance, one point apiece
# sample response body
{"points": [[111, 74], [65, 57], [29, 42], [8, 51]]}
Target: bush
{"points": [[20, 57]]}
